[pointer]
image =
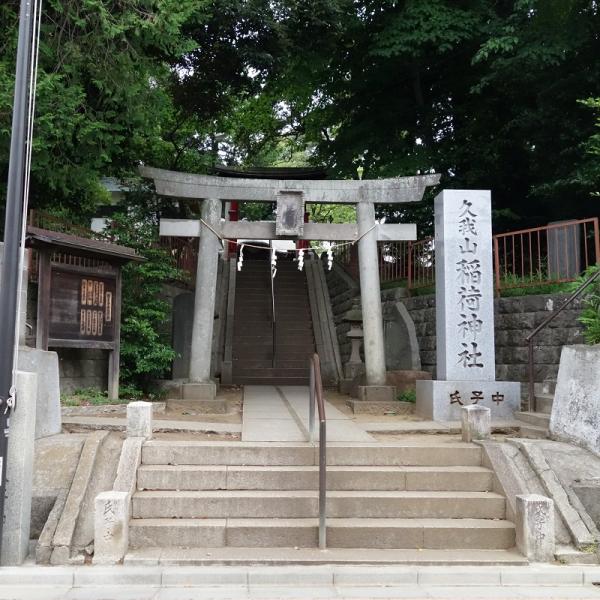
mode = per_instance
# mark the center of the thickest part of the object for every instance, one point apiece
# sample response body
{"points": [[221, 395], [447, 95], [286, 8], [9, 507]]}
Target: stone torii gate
{"points": [[290, 197]]}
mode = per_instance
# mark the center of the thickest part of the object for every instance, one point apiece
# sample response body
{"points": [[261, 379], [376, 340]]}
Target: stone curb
{"points": [[63, 536], [159, 425], [108, 409], [572, 519], [359, 576]]}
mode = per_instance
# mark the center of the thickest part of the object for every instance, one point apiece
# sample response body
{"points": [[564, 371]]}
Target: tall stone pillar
{"points": [[201, 387], [370, 294]]}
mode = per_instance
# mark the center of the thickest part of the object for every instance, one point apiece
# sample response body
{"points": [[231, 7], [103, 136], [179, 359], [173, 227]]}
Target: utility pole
{"points": [[13, 226]]}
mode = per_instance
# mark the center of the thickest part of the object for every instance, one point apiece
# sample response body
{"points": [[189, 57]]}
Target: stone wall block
{"points": [[535, 527], [139, 419]]}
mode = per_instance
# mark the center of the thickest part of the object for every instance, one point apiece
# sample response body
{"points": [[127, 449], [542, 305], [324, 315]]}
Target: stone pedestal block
{"points": [[139, 420], [535, 527], [376, 393], [476, 423], [443, 400], [199, 391], [19, 472], [48, 416], [111, 527]]}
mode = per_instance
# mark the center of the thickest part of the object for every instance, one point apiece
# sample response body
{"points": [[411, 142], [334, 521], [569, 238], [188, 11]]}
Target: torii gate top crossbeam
{"points": [[334, 191]]}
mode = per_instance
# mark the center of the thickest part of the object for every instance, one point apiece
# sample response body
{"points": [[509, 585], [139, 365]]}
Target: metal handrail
{"points": [[273, 323], [316, 394], [542, 325]]}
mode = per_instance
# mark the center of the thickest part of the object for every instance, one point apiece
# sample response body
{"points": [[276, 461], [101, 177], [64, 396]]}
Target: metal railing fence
{"points": [[555, 253]]}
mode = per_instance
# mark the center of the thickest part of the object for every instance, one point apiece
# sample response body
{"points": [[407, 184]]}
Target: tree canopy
{"points": [[491, 93]]}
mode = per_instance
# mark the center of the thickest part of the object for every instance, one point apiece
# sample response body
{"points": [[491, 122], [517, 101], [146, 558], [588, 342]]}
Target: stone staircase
{"points": [[265, 495], [253, 347], [536, 423]]}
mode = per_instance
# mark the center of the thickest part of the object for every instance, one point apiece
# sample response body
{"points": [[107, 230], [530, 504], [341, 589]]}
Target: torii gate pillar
{"points": [[200, 386], [371, 306]]}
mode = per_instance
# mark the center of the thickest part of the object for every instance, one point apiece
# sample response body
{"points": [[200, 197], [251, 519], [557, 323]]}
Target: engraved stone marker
{"points": [[111, 527], [464, 300], [464, 286], [535, 527]]}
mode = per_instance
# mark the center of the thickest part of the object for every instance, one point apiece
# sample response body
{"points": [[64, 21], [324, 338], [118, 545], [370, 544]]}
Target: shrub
{"points": [[590, 316], [145, 354], [407, 396]]}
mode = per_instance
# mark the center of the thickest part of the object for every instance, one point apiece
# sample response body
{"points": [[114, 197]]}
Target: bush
{"points": [[590, 316], [145, 354], [407, 396]]}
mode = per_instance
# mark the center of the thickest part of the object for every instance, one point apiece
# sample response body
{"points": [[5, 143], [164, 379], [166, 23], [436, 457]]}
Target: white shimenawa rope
{"points": [[239, 243]]}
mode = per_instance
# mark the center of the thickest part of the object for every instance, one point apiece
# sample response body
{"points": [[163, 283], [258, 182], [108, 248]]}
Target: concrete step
{"points": [[532, 431], [171, 452], [272, 372], [222, 504], [260, 364], [299, 557], [341, 533], [283, 353], [543, 403], [534, 418], [242, 326], [260, 380], [217, 477]]}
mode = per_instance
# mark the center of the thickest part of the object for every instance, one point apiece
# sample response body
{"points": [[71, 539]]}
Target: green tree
{"points": [[145, 353]]}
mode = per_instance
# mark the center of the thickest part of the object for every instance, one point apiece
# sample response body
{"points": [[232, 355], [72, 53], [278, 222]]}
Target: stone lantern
{"points": [[354, 367]]}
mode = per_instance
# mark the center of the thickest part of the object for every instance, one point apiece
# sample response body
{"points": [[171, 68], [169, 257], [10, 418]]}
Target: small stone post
{"points": [[139, 420], [476, 422], [201, 387], [19, 475], [111, 527], [535, 527]]}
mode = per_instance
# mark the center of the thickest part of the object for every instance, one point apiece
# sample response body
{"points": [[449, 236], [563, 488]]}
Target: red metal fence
{"points": [[185, 254], [556, 253]]}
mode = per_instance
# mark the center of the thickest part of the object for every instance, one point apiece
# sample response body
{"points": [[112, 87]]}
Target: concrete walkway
{"points": [[280, 414], [253, 583]]}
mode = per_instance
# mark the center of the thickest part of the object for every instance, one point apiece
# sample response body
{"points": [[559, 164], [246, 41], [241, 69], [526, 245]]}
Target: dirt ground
{"points": [[340, 402]]}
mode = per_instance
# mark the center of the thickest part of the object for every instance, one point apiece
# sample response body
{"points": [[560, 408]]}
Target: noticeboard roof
{"points": [[40, 238]]}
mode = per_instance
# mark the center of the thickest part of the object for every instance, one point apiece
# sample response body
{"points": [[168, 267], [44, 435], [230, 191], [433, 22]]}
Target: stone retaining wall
{"points": [[515, 318], [82, 368], [344, 293]]}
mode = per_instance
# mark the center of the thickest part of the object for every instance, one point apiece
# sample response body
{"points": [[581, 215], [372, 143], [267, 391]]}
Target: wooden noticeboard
{"points": [[79, 294]]}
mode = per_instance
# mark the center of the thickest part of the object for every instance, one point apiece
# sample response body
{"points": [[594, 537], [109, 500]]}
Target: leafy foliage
{"points": [[590, 316], [145, 355]]}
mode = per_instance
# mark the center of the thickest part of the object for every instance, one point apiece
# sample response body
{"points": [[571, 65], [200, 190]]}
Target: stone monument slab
{"points": [[464, 286], [466, 360]]}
